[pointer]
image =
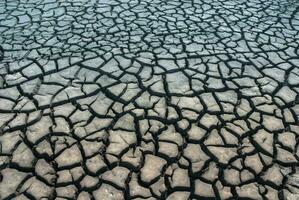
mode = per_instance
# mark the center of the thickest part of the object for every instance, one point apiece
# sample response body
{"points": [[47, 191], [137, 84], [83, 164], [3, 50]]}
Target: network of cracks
{"points": [[149, 99]]}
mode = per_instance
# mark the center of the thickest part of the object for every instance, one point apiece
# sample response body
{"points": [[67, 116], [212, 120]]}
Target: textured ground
{"points": [[149, 99]]}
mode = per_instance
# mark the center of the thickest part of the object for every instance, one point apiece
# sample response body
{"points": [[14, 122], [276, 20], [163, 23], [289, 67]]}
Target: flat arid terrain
{"points": [[149, 99]]}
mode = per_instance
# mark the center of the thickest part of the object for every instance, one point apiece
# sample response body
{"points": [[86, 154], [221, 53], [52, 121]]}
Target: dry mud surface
{"points": [[149, 99]]}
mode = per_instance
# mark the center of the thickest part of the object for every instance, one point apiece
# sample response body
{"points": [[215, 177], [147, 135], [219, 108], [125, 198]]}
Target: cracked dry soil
{"points": [[149, 99]]}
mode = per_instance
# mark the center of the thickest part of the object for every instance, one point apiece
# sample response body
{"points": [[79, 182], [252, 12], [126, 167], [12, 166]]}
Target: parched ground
{"points": [[149, 99]]}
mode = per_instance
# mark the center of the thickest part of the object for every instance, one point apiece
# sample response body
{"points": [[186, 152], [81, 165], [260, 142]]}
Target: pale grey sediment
{"points": [[149, 99]]}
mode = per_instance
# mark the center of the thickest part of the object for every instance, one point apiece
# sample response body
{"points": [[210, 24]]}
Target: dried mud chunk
{"points": [[285, 156], [117, 176], [136, 189], [170, 135], [125, 122], [9, 141], [37, 188], [203, 190], [286, 94], [44, 148], [211, 173], [213, 139], [209, 120], [254, 162], [223, 155], [180, 178], [101, 105], [264, 140], [249, 191], [89, 182], [120, 140], [10, 181], [64, 176], [210, 102], [91, 147], [196, 133], [188, 103], [168, 149], [287, 139], [107, 192], [84, 196], [243, 108], [159, 187], [179, 196], [23, 156], [272, 123], [45, 171], [69, 157], [271, 193], [69, 191], [224, 192], [274, 175], [39, 129], [196, 156], [152, 168], [132, 157], [246, 175], [176, 83], [232, 176]]}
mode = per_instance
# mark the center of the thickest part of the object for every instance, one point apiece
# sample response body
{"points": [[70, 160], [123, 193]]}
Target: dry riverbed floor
{"points": [[149, 99]]}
